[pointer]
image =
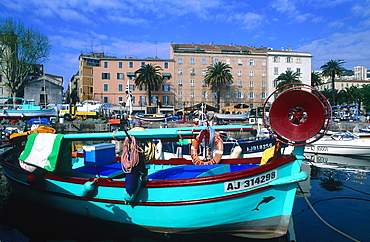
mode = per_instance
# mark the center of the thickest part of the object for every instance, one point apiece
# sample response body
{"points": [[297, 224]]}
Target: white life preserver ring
{"points": [[217, 154]]}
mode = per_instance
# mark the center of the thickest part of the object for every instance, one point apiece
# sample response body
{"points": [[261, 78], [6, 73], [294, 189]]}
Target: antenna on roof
{"points": [[156, 46]]}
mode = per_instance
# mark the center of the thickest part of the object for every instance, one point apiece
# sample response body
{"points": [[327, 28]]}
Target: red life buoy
{"points": [[218, 152]]}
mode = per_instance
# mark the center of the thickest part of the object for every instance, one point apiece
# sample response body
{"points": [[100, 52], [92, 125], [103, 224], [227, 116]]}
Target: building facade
{"points": [[105, 79], [254, 71], [360, 73]]}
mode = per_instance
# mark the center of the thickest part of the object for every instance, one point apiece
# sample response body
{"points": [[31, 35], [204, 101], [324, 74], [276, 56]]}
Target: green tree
{"points": [[331, 69], [217, 75], [149, 76], [315, 79], [21, 50], [287, 77], [365, 94]]}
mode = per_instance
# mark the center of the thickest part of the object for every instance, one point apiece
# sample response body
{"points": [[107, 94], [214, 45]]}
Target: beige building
{"points": [[253, 69], [105, 79], [249, 70]]}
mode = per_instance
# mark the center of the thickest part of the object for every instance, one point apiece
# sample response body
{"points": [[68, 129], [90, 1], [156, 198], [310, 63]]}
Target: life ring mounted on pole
{"points": [[219, 148]]}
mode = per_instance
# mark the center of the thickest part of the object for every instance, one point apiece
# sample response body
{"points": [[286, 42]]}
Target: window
{"points": [[214, 94], [142, 101], [166, 87], [120, 87], [105, 99], [179, 94], [251, 73], [105, 87], [179, 60], [204, 61], [289, 59], [228, 94], [263, 95], [142, 63], [251, 62], [298, 70], [132, 87], [179, 71], [191, 94], [228, 61], [251, 95], [142, 87], [239, 95], [154, 99], [216, 60], [251, 83], [105, 76], [192, 83], [263, 62], [105, 64], [298, 60], [263, 83], [165, 65], [263, 73], [179, 82], [204, 94], [120, 76], [204, 83], [120, 64], [204, 72], [192, 71], [276, 70], [154, 88], [165, 100], [276, 59], [239, 72], [130, 64], [240, 62], [192, 60], [240, 83], [288, 69], [120, 99]]}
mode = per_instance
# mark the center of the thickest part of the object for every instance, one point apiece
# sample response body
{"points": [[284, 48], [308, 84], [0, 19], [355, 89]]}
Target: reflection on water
{"points": [[338, 189]]}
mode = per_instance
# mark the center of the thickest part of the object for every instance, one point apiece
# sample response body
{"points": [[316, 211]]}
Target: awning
{"points": [[166, 74], [131, 73]]}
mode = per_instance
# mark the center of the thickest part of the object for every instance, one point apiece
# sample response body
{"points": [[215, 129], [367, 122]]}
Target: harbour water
{"points": [[338, 190]]}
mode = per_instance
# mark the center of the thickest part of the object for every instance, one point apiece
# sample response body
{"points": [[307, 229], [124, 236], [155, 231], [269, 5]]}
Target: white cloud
{"points": [[351, 47]]}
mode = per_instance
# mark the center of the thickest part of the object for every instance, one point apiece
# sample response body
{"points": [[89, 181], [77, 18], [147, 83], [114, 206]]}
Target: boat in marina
{"points": [[153, 117], [246, 197], [341, 143], [26, 110], [232, 117]]}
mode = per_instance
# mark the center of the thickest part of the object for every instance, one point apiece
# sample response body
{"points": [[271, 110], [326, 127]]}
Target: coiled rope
{"points": [[322, 220], [130, 154]]}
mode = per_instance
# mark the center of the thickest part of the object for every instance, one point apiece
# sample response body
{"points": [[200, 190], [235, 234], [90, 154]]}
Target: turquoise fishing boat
{"points": [[246, 197], [26, 110]]}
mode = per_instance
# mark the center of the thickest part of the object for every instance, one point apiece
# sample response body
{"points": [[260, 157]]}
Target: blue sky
{"points": [[336, 29]]}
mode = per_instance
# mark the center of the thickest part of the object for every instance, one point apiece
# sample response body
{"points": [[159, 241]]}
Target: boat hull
{"points": [[44, 113], [356, 147], [219, 203]]}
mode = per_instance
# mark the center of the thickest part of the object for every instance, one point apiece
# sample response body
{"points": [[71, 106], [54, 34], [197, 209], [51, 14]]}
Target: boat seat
{"points": [[192, 171]]}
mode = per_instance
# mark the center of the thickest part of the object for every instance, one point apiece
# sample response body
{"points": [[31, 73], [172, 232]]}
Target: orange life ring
{"points": [[218, 152]]}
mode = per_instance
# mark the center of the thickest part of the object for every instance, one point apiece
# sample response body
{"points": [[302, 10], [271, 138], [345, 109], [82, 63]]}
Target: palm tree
{"points": [[287, 77], [149, 76], [217, 75], [331, 69], [315, 79]]}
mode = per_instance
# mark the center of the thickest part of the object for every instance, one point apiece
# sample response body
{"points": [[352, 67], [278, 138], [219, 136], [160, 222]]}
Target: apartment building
{"points": [[254, 71], [105, 78], [360, 73]]}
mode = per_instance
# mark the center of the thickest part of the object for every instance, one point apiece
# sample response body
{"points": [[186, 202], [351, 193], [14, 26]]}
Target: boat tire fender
{"points": [[218, 152]]}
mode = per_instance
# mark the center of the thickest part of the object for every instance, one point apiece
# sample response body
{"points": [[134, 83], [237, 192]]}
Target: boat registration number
{"points": [[249, 183]]}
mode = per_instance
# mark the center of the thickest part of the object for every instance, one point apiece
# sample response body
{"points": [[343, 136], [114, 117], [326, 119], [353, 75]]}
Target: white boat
{"points": [[347, 147], [153, 117], [26, 110], [243, 116]]}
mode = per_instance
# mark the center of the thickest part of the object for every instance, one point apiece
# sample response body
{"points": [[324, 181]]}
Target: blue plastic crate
{"points": [[99, 154]]}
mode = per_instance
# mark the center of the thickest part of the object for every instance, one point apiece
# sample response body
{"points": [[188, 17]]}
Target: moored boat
{"points": [[247, 197], [26, 110]]}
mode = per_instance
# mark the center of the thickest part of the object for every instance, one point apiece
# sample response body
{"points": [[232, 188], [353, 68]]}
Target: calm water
{"points": [[338, 189]]}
